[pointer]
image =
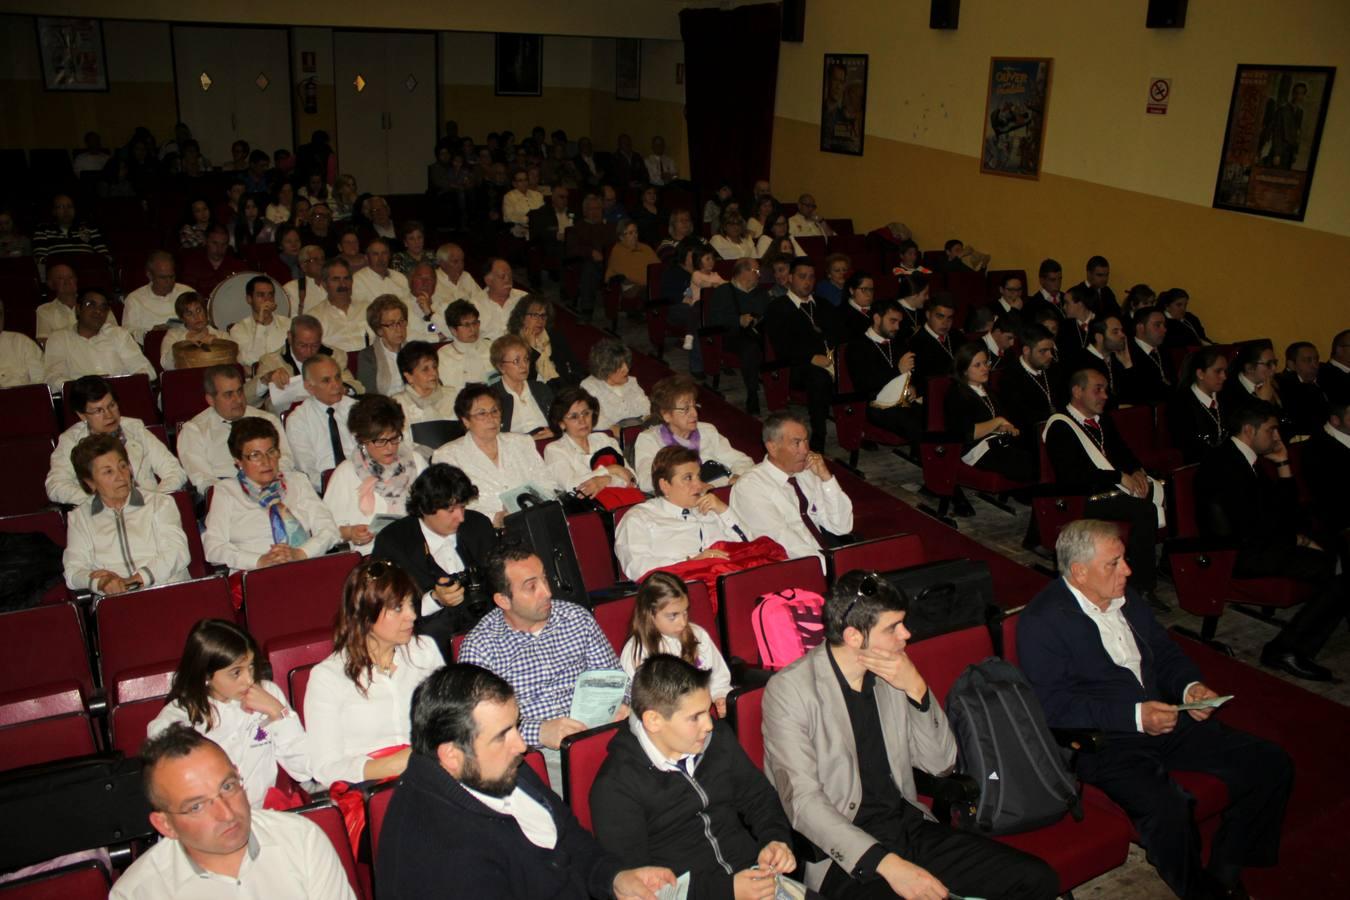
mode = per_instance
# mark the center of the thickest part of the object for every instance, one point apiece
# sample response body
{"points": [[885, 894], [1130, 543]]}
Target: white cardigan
{"points": [[711, 446], [155, 546], [570, 465], [709, 658], [238, 531], [518, 462], [627, 401]]}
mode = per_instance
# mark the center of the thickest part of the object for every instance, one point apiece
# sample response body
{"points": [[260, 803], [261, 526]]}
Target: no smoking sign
{"points": [[1159, 93]]}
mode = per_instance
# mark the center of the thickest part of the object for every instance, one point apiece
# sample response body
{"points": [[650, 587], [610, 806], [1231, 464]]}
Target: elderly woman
{"points": [[629, 259], [681, 226], [731, 241], [495, 461], [551, 359], [620, 396], [196, 328], [193, 232], [370, 489], [377, 364], [349, 250], [279, 205], [519, 202], [972, 417], [833, 289], [120, 539], [359, 701], [648, 216], [524, 401], [263, 517], [675, 423], [578, 459], [414, 238], [423, 398]]}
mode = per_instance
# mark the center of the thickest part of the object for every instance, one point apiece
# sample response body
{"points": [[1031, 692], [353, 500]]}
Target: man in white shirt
{"points": [[317, 428], [91, 349], [20, 357], [424, 323], [467, 357], [217, 846], [377, 279], [806, 222], [279, 369], [498, 298], [661, 169], [791, 496], [59, 312], [681, 523], [203, 440], [343, 318], [263, 331], [152, 465], [453, 282], [311, 270], [152, 304]]}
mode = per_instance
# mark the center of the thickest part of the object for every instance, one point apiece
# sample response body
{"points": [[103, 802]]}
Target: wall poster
{"points": [[72, 54], [1014, 117], [843, 109]]}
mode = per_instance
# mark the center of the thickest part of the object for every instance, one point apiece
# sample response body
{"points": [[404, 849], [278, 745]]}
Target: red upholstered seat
{"points": [[198, 567], [329, 819], [1079, 851], [299, 683], [130, 721], [739, 592], [850, 415], [292, 652], [942, 659], [701, 610], [27, 460], [582, 755], [45, 654], [44, 740], [745, 712], [82, 881], [28, 412], [614, 618], [592, 544], [1138, 428], [899, 551], [535, 760], [296, 597], [182, 392], [134, 398], [377, 807]]}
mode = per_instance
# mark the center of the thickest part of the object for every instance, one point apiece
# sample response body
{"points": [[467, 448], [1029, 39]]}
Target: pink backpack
{"points": [[787, 623]]}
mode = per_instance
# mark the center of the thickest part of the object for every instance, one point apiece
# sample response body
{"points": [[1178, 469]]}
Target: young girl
{"points": [[661, 625], [218, 692], [704, 276]]}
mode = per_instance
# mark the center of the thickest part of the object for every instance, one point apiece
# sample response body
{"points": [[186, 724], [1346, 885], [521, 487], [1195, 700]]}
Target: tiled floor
{"points": [[1135, 880]]}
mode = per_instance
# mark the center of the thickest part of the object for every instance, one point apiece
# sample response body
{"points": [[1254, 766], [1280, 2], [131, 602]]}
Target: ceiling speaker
{"points": [[794, 21], [944, 14], [1166, 13]]}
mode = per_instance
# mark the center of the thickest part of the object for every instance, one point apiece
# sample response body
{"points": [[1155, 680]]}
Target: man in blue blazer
{"points": [[1098, 659]]}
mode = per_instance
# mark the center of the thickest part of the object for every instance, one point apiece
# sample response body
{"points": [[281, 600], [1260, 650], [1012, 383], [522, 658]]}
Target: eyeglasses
{"points": [[578, 416], [401, 323], [536, 315], [383, 442], [516, 361], [228, 789], [257, 456], [870, 586], [493, 413], [686, 410], [1269, 363]]}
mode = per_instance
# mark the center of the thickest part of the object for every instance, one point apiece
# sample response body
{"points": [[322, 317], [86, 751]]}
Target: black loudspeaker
{"points": [[944, 14], [794, 21], [1167, 13]]}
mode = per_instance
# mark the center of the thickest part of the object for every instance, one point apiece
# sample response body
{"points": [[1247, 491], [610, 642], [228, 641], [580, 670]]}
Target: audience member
{"points": [[524, 401], [498, 298], [1334, 374], [834, 289], [738, 307], [1150, 380], [775, 236], [203, 440], [192, 233], [1075, 332], [580, 459], [88, 348], [1184, 328], [1030, 391], [995, 333], [20, 357], [913, 300], [466, 358], [423, 397], [369, 489], [317, 428], [152, 304], [629, 260], [847, 784], [587, 243], [855, 313], [807, 222], [550, 223], [196, 329], [413, 236], [764, 208], [1304, 401], [953, 260], [731, 241], [65, 233], [1107, 353], [1011, 300], [200, 805], [343, 319], [550, 356], [972, 417], [377, 278], [60, 311], [423, 324], [307, 291], [463, 781], [1049, 296], [262, 332], [304, 340], [377, 364], [661, 625], [649, 219], [453, 281], [627, 169], [877, 359], [349, 251], [1098, 659], [674, 422], [207, 268], [1197, 417], [715, 205], [1138, 299], [932, 345], [261, 518], [797, 328], [661, 169], [1102, 300], [621, 399], [1326, 464]]}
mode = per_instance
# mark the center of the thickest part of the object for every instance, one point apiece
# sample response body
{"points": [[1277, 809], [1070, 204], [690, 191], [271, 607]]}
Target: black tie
{"points": [[804, 510], [334, 438]]}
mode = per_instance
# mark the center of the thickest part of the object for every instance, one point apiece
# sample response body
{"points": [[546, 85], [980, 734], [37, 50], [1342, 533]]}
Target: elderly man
{"points": [[453, 282], [206, 269], [59, 312], [317, 428], [20, 357], [67, 234], [91, 349], [844, 726], [377, 278], [661, 169], [152, 465], [498, 298], [792, 496], [343, 318], [151, 304], [738, 306], [1098, 659], [280, 368], [203, 440], [424, 321], [263, 331], [214, 843], [807, 222], [588, 241], [307, 291]]}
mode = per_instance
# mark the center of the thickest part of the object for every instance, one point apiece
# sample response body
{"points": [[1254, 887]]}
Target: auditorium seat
{"points": [[593, 545], [153, 347], [28, 411], [329, 819], [535, 760], [745, 714], [849, 411], [198, 567], [582, 756], [614, 618], [943, 470], [129, 722], [1138, 427], [701, 610], [50, 523], [739, 593], [92, 270], [134, 398], [47, 683], [27, 460], [885, 554], [289, 654], [299, 684], [81, 881], [182, 394], [295, 597], [377, 807]]}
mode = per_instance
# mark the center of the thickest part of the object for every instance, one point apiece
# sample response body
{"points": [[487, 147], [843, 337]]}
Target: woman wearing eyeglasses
{"points": [[674, 421], [369, 489], [264, 516], [551, 359], [523, 401], [582, 459]]}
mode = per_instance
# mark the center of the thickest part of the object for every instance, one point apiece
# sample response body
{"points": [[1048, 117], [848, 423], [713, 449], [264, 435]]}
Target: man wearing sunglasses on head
{"points": [[843, 726]]}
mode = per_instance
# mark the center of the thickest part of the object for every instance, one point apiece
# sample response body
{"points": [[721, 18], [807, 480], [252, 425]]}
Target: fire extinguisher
{"points": [[309, 96]]}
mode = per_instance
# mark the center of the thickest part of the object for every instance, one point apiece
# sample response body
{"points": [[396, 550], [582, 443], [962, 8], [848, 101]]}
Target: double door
{"points": [[233, 83]]}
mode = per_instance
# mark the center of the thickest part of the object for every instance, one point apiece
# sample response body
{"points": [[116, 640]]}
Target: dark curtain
{"points": [[731, 80]]}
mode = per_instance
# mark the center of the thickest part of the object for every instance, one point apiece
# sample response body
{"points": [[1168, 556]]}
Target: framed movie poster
{"points": [[1014, 117], [520, 65], [1275, 121], [843, 108], [628, 68], [72, 54]]}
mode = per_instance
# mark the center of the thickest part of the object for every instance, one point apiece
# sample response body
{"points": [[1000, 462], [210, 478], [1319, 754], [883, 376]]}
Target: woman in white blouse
{"points": [[196, 328], [675, 418], [775, 231], [731, 241], [519, 202], [571, 458], [495, 461], [357, 705], [263, 517], [120, 538], [524, 401], [622, 400], [423, 398], [219, 691], [369, 489]]}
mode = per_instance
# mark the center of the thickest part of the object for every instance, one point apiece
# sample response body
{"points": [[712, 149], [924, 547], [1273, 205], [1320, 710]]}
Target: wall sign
{"points": [[1159, 92]]}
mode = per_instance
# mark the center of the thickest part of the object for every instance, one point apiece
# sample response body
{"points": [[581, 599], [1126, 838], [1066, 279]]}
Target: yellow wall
{"points": [[1116, 181]]}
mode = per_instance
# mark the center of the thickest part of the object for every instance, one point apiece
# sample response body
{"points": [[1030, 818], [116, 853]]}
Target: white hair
{"points": [[1077, 543]]}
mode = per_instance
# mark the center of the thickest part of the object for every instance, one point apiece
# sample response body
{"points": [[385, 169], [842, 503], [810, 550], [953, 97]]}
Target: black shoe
{"points": [[1157, 603], [961, 507], [1295, 664]]}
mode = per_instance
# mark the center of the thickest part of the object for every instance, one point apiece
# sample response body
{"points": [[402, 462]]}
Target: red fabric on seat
{"points": [[295, 597], [82, 881], [614, 618], [329, 819], [28, 412], [582, 755], [740, 591], [942, 659], [741, 555], [745, 710], [898, 551]]}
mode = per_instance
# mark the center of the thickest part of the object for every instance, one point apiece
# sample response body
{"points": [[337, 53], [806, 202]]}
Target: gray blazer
{"points": [[810, 756]]}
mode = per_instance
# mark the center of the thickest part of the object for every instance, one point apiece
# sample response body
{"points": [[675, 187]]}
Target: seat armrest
{"points": [[1080, 740]]}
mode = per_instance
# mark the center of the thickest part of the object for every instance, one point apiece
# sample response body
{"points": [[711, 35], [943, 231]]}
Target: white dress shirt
{"points": [[570, 465], [315, 294], [239, 531], [179, 333], [53, 316], [800, 226], [767, 504], [526, 416], [144, 309], [518, 463], [711, 446], [492, 318], [532, 817], [203, 446], [110, 352], [344, 726], [145, 536], [256, 341], [709, 658], [447, 291], [343, 501], [368, 284], [617, 402], [152, 465], [344, 331], [254, 745], [20, 360], [658, 533], [661, 170], [288, 858], [460, 363], [311, 448], [444, 549], [438, 407], [729, 249], [516, 208]]}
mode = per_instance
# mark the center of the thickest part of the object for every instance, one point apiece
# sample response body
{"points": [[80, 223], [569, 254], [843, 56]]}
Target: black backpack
{"points": [[948, 596], [1005, 745]]}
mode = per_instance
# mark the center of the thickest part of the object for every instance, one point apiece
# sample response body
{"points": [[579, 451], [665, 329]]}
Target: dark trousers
{"points": [[1133, 771], [592, 275], [967, 864], [1316, 619], [1142, 516], [688, 317], [905, 421], [1011, 460], [819, 387], [746, 346]]}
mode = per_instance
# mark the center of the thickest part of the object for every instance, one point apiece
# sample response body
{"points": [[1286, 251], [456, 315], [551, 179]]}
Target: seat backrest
{"points": [[940, 660], [535, 760], [295, 597], [27, 460], [182, 393], [299, 679], [1047, 468], [592, 544], [1185, 511], [377, 807], [897, 551], [130, 722], [28, 412], [936, 389], [614, 618], [82, 881], [44, 647], [148, 628], [745, 709], [187, 515], [48, 522], [841, 372], [153, 348], [1009, 626], [582, 755], [296, 651], [738, 592], [330, 821], [1135, 424], [46, 740], [701, 610], [134, 398]]}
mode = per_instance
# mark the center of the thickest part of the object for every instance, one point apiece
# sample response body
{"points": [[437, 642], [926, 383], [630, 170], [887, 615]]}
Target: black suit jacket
{"points": [[912, 324], [728, 303], [1115, 372], [1071, 340], [1023, 399], [1150, 380], [1235, 396], [1335, 382], [849, 323], [1104, 301], [1305, 404], [1036, 302], [543, 225], [541, 392], [868, 366], [931, 359], [1195, 429], [1187, 332], [794, 336], [1326, 466], [1075, 473], [1237, 502], [402, 544], [962, 410], [624, 171]]}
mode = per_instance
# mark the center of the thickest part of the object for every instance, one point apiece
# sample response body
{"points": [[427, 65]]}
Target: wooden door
{"points": [[359, 71], [411, 109], [233, 83]]}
